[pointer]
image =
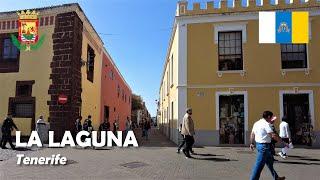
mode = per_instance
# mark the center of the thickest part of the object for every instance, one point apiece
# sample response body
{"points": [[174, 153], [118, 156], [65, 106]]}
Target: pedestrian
{"points": [[78, 125], [86, 123], [146, 128], [128, 125], [105, 125], [262, 134], [273, 141], [41, 129], [6, 129], [188, 131], [285, 136], [183, 142], [115, 127], [90, 127], [40, 122], [87, 126]]}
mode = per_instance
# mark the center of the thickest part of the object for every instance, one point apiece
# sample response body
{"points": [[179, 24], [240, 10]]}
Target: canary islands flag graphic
{"points": [[283, 27]]}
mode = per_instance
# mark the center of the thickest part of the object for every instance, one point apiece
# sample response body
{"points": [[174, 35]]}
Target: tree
{"points": [[136, 102]]}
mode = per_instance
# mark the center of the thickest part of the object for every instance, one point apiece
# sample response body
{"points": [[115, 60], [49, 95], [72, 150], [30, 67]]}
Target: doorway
{"points": [[106, 112], [232, 118], [296, 107]]}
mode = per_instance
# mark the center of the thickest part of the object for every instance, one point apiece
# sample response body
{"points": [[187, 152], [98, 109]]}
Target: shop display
{"points": [[231, 118]]}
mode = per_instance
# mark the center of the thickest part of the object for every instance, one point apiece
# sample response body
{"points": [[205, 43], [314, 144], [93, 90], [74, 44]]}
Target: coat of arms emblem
{"points": [[283, 27], [28, 38]]}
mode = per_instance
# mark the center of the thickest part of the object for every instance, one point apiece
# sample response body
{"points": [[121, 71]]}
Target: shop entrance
{"points": [[232, 119], [296, 107]]}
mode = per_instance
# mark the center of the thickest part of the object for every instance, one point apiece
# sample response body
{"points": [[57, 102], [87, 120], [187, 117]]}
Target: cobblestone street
{"points": [[157, 159]]}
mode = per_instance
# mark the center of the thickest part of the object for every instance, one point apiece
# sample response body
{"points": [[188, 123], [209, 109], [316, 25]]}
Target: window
{"points": [[23, 110], [10, 52], [168, 83], [24, 88], [22, 107], [111, 75], [294, 56], [90, 63], [230, 51], [9, 55], [118, 91], [172, 115]]}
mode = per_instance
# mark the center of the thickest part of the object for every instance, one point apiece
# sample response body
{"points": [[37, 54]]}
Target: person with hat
{"points": [[187, 131], [262, 135]]}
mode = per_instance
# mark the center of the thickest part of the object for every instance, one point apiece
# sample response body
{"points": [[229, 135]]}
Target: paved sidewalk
{"points": [[161, 162]]}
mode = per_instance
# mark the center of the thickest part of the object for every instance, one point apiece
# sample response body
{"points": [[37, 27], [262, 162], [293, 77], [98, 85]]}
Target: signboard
{"points": [[62, 99]]}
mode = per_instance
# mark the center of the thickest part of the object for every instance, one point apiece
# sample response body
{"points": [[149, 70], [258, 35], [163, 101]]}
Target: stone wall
{"points": [[65, 73]]}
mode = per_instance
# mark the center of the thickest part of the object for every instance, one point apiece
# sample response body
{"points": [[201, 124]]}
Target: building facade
{"points": [[115, 95], [216, 66], [71, 61]]}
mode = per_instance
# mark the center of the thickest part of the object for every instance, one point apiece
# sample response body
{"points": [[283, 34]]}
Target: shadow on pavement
{"points": [[303, 158], [292, 156], [214, 159], [198, 154], [22, 149], [296, 162], [309, 159]]}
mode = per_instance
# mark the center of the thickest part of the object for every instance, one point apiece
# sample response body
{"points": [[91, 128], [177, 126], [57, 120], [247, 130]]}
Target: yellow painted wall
{"points": [[91, 91], [167, 96], [34, 65], [261, 62], [259, 100]]}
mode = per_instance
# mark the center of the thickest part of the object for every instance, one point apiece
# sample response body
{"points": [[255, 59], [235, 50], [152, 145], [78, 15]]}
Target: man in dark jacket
{"points": [[6, 129], [105, 125]]}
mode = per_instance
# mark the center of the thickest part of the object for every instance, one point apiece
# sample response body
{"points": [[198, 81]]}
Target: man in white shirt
{"points": [[285, 136], [262, 135]]}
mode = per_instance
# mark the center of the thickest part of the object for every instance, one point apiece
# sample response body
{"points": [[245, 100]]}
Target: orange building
{"points": [[115, 94]]}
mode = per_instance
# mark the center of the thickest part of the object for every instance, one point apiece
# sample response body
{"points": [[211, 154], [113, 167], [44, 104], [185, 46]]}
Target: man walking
{"points": [[146, 127], [262, 135], [77, 124], [105, 125], [6, 129], [86, 123], [187, 131], [285, 136], [183, 139]]}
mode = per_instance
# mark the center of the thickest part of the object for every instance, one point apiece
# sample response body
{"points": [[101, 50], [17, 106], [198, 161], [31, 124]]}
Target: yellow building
{"points": [[69, 63], [216, 66]]}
